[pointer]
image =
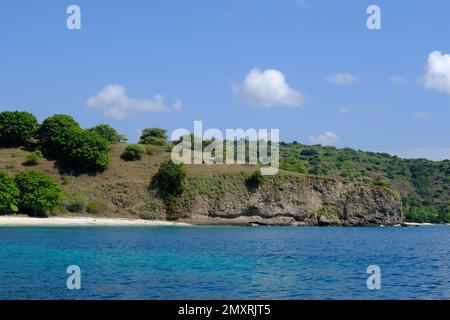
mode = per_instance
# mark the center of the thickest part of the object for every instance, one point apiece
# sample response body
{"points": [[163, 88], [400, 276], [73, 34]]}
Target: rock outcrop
{"points": [[290, 200], [284, 200]]}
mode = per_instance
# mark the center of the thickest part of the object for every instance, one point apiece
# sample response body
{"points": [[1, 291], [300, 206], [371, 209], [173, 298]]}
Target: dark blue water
{"points": [[225, 263]]}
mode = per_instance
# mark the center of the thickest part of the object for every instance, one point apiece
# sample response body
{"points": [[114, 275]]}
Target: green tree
{"points": [[133, 152], [154, 136], [55, 133], [17, 128], [108, 132], [169, 179], [39, 193], [81, 150], [86, 152], [9, 194]]}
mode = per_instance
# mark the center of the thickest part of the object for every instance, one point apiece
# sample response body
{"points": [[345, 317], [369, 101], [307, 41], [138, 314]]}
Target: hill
{"points": [[215, 194], [424, 185]]}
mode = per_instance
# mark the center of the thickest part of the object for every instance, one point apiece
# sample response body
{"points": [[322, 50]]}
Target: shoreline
{"points": [[419, 224], [74, 221], [23, 221]]}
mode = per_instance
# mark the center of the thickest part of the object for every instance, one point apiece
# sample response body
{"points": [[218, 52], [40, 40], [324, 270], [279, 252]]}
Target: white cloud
{"points": [[267, 89], [398, 81], [326, 139], [419, 115], [343, 110], [342, 79], [115, 103], [177, 105], [437, 72]]}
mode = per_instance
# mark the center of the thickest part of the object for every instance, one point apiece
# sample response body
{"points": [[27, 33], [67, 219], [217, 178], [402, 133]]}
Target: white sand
{"points": [[20, 221], [418, 224]]}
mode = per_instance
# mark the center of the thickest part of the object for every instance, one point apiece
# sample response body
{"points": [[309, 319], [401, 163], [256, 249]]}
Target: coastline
{"points": [[418, 224], [74, 221], [23, 221]]}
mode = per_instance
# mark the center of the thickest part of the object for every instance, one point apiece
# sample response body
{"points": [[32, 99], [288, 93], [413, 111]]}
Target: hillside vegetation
{"points": [[101, 174], [423, 184]]}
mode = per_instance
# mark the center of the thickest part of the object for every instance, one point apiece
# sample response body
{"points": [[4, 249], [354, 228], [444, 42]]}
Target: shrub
{"points": [[62, 138], [318, 171], [169, 179], [154, 136], [293, 164], [34, 158], [65, 179], [171, 203], [108, 132], [9, 194], [53, 127], [76, 203], [149, 150], [86, 152], [17, 128], [255, 180], [55, 132], [309, 152], [381, 183], [39, 193], [132, 152], [97, 206], [327, 211]]}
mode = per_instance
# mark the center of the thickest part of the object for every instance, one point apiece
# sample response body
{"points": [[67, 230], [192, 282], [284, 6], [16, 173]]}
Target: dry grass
{"points": [[119, 171]]}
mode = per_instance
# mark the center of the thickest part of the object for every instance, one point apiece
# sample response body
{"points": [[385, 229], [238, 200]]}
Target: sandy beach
{"points": [[416, 224], [22, 221]]}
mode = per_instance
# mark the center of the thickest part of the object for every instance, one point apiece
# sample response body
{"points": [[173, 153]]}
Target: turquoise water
{"points": [[225, 262]]}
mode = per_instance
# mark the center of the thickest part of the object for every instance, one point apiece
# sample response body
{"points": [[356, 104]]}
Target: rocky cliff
{"points": [[287, 199]]}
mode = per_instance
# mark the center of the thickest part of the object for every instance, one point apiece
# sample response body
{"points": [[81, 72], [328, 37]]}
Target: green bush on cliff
{"points": [[17, 128], [427, 181], [39, 193], [327, 211], [9, 194], [169, 182], [293, 164], [255, 180], [381, 183], [169, 179], [133, 152]]}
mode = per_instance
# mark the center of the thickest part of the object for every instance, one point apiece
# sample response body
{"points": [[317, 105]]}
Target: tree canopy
{"points": [[63, 139], [108, 132], [39, 193], [9, 194], [154, 136], [17, 128]]}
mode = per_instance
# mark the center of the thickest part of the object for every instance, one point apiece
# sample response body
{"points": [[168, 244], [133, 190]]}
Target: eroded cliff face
{"points": [[280, 200], [289, 200]]}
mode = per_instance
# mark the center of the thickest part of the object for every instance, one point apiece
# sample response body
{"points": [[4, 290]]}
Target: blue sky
{"points": [[310, 68]]}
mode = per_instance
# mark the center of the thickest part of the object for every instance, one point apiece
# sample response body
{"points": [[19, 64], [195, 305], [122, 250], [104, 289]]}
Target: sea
{"points": [[174, 262]]}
